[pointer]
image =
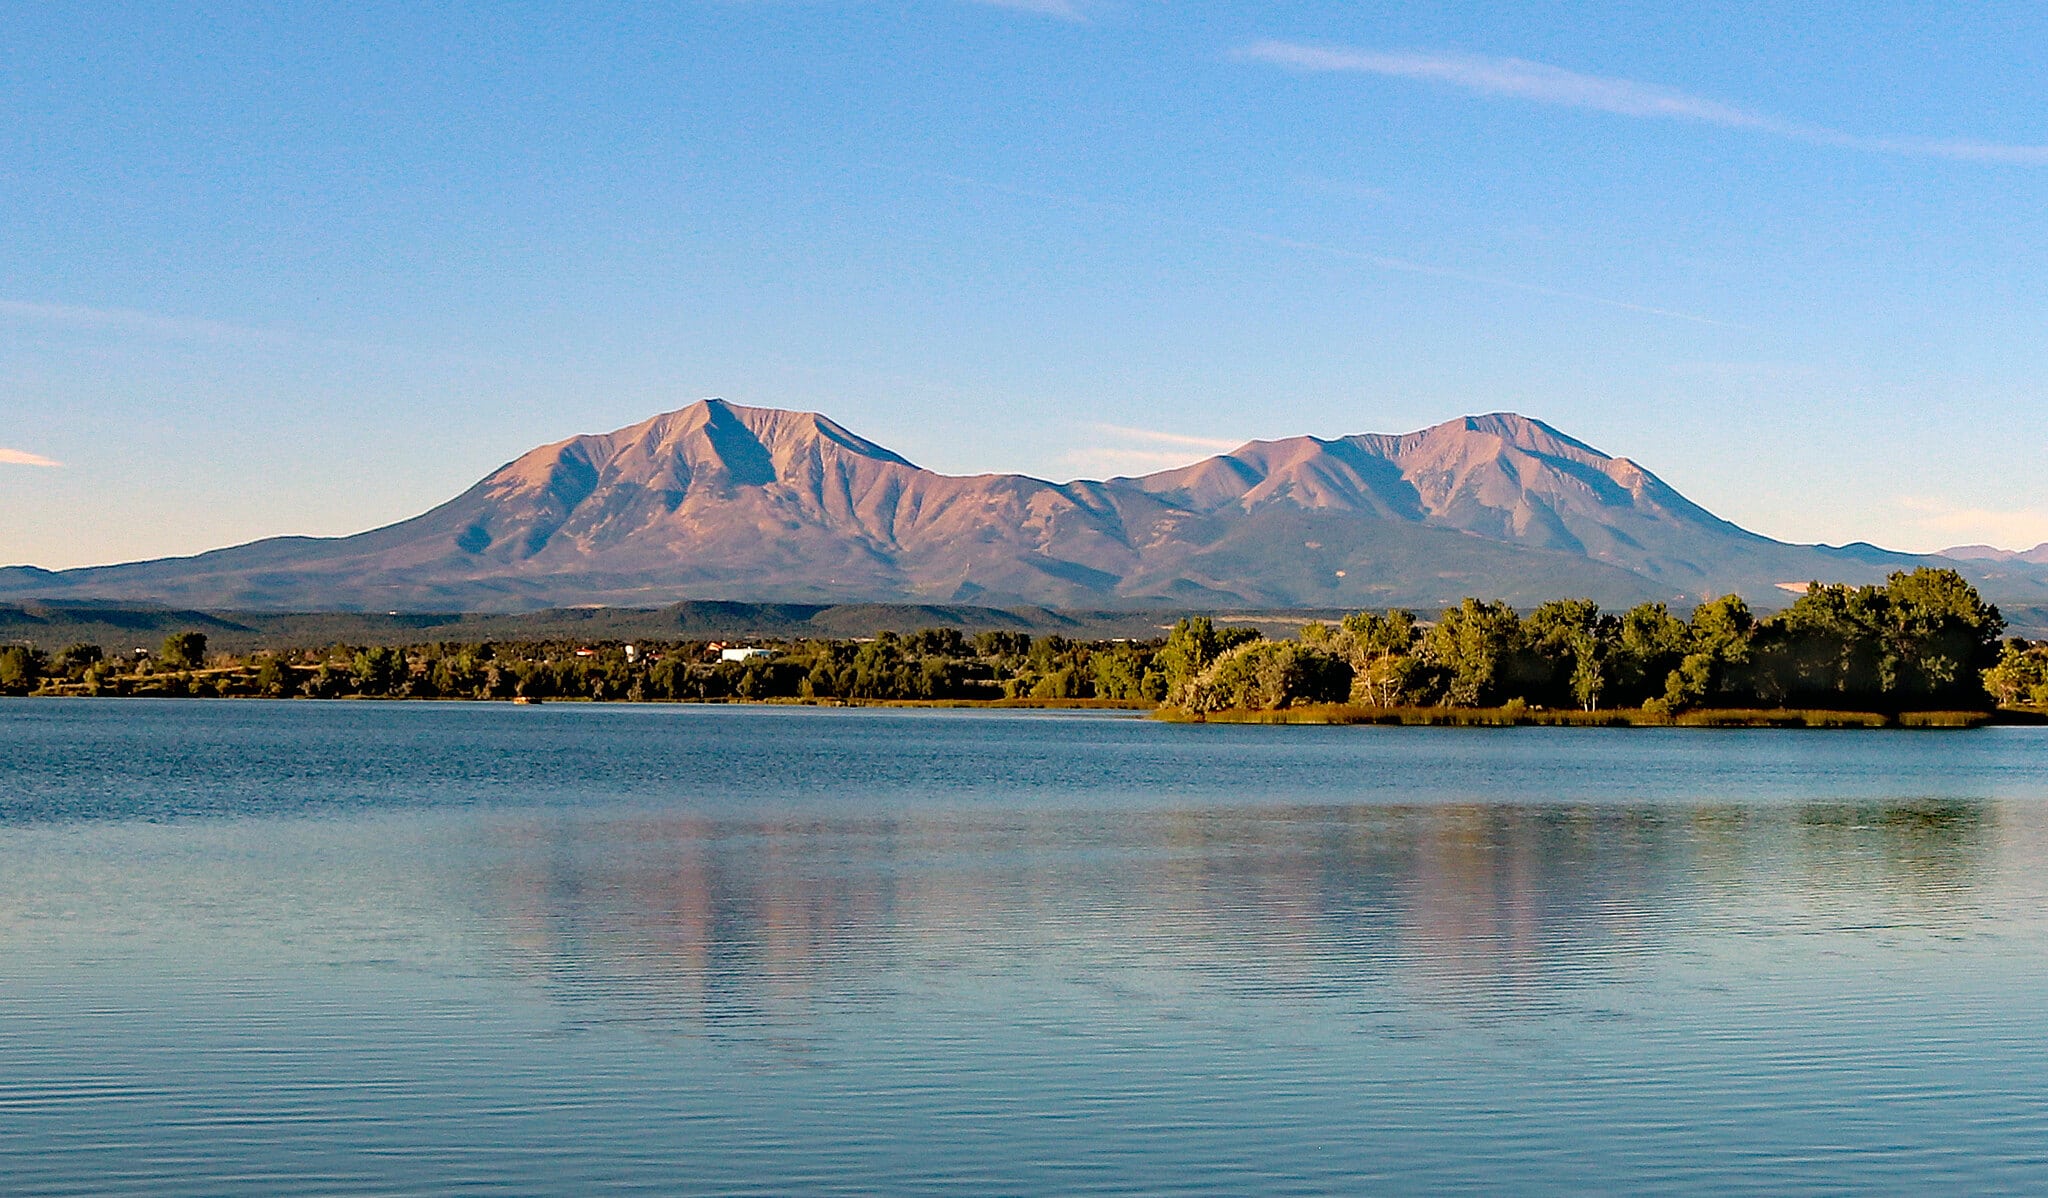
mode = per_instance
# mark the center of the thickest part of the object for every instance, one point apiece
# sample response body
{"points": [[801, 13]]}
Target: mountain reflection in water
{"points": [[258, 949], [734, 922]]}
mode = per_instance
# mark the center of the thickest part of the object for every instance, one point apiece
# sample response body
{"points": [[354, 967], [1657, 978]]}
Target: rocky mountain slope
{"points": [[718, 501]]}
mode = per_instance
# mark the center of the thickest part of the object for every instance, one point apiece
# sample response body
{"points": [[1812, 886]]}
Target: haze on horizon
{"points": [[289, 272]]}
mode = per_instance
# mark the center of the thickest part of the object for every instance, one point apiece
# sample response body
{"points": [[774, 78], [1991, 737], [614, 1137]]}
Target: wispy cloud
{"points": [[1156, 437], [1406, 266], [2007, 528], [1065, 10], [1379, 261], [22, 457], [1541, 83], [1509, 77], [1122, 450], [129, 321]]}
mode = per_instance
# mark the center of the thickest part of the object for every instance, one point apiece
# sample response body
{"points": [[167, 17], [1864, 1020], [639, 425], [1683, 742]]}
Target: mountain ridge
{"points": [[2037, 556], [717, 501]]}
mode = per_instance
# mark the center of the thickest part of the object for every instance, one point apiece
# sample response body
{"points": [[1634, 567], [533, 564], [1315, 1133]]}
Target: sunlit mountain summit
{"points": [[720, 501]]}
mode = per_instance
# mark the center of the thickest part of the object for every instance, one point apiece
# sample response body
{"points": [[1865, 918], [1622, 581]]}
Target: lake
{"points": [[358, 948]]}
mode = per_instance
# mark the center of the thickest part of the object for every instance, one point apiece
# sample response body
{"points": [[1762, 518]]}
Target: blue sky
{"points": [[275, 269]]}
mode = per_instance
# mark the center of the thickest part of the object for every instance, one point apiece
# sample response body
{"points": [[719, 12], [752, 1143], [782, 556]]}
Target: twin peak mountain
{"points": [[718, 501]]}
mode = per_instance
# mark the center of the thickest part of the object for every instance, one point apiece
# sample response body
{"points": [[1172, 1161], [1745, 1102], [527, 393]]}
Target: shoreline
{"points": [[1017, 704], [1311, 715], [1339, 715]]}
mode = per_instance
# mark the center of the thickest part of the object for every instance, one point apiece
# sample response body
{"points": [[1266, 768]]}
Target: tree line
{"points": [[1922, 640], [933, 664]]}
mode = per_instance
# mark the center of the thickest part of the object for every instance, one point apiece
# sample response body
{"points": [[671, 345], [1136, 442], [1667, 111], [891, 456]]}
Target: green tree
{"points": [[1118, 674], [377, 670], [1230, 638], [1066, 682], [1940, 636], [1379, 648], [1718, 655], [1827, 647], [21, 668], [1573, 641], [937, 642], [1473, 645], [878, 670], [1649, 643], [184, 650], [1050, 653], [1267, 676], [274, 677], [1382, 634], [78, 658], [2021, 675], [1189, 648], [1923, 637], [996, 643]]}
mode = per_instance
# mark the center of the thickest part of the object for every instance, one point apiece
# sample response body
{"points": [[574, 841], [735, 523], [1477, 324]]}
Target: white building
{"points": [[744, 654]]}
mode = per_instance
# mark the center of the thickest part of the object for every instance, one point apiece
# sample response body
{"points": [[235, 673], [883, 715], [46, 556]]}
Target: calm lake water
{"points": [[312, 948]]}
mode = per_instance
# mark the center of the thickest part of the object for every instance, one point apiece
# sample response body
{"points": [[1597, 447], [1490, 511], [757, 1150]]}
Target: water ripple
{"points": [[357, 949]]}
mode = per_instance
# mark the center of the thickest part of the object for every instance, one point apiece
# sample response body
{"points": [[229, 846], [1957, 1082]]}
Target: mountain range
{"points": [[717, 501], [2037, 556]]}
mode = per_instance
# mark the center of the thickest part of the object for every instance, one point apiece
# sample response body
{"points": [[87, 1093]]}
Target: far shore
{"points": [[1322, 714]]}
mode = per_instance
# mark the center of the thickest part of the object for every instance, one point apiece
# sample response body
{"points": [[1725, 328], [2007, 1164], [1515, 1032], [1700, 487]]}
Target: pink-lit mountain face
{"points": [[718, 501]]}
